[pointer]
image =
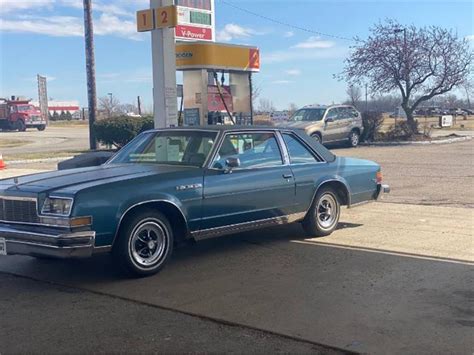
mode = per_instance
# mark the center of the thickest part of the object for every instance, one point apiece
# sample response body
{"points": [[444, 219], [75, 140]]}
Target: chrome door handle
{"points": [[287, 176]]}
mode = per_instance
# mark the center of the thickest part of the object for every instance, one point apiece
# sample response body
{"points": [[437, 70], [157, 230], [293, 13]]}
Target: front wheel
{"points": [[20, 126], [354, 139], [41, 127], [323, 216], [145, 244]]}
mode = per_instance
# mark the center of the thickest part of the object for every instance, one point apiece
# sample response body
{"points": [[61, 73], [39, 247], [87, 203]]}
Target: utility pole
{"points": [[139, 105], [90, 69]]}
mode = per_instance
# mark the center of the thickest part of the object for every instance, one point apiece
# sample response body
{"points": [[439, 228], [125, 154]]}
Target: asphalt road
{"points": [[69, 320], [396, 277]]}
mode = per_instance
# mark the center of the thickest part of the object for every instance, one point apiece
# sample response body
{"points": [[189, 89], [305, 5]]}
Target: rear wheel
{"points": [[145, 243], [354, 139], [41, 127], [317, 137], [323, 216]]}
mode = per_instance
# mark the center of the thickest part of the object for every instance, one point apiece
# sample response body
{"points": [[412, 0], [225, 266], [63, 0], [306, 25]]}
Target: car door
{"points": [[344, 120], [305, 166], [261, 188], [330, 132]]}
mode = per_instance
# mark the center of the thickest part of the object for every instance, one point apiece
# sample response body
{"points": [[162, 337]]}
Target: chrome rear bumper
{"points": [[47, 242], [382, 189]]}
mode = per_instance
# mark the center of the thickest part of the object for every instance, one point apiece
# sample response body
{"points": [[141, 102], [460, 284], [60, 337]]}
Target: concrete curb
{"points": [[439, 141], [41, 160]]}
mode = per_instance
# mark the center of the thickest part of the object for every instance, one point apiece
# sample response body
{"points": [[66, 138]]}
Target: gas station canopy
{"points": [[217, 56]]}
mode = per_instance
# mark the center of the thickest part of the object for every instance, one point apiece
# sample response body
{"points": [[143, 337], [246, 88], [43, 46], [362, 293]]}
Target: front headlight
{"points": [[57, 206]]}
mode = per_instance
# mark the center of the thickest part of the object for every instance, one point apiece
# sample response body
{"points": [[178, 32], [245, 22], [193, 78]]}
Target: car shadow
{"points": [[101, 268]]}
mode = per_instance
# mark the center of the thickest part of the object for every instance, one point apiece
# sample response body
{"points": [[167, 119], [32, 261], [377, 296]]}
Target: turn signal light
{"points": [[378, 177], [80, 221]]}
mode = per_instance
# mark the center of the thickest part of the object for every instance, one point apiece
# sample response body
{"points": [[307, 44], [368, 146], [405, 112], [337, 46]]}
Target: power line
{"points": [[289, 25]]}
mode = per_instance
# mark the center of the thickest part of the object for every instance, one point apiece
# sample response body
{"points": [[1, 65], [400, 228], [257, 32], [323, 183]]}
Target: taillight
{"points": [[378, 177]]}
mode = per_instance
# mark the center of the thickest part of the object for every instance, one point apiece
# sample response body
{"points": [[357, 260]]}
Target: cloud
{"points": [[282, 82], [59, 26], [69, 26], [288, 34], [314, 42], [15, 5], [470, 38], [303, 55], [293, 72], [232, 31]]}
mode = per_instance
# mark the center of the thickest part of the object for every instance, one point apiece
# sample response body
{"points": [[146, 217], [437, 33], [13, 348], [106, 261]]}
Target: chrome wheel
{"points": [[354, 139], [327, 211], [317, 137], [149, 243]]}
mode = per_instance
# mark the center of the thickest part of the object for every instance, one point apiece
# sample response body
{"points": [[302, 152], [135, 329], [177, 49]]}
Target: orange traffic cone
{"points": [[2, 163]]}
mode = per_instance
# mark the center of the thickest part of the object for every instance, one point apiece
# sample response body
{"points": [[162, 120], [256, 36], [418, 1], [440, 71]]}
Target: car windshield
{"points": [[24, 108], [187, 148], [308, 114]]}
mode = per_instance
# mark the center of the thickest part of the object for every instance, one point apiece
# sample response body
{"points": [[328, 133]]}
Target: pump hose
{"points": [[222, 97]]}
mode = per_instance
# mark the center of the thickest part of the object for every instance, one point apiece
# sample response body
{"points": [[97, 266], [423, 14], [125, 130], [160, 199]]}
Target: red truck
{"points": [[19, 114]]}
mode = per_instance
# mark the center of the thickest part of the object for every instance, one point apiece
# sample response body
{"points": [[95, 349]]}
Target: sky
{"points": [[297, 66]]}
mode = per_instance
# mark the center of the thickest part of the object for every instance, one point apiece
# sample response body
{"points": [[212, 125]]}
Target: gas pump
{"points": [[217, 82]]}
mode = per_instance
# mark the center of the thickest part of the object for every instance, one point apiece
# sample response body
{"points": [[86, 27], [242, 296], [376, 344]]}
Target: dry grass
{"points": [[12, 143], [80, 123]]}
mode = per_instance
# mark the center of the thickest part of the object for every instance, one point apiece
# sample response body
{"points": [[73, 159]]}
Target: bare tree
{"points": [[109, 106], [265, 105], [292, 109], [355, 94], [421, 63]]}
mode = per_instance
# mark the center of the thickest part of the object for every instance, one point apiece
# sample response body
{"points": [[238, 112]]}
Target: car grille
{"points": [[18, 210]]}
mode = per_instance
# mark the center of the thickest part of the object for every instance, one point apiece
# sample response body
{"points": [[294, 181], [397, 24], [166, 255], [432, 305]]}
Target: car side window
{"points": [[332, 113], [254, 150], [354, 113], [299, 154], [343, 113]]}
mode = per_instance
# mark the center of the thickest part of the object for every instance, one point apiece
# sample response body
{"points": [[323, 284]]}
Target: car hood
{"points": [[57, 180], [295, 124]]}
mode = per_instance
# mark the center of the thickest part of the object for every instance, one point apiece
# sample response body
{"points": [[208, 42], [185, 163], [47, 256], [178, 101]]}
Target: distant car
{"points": [[328, 124], [468, 111], [457, 112], [279, 116], [172, 185]]}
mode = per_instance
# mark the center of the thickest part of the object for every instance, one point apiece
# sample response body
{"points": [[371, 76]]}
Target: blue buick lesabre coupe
{"points": [[170, 185]]}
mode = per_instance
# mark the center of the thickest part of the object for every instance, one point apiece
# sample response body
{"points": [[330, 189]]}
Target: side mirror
{"points": [[231, 163], [329, 119]]}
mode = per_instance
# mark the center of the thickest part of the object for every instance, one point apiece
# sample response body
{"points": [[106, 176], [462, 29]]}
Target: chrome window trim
{"points": [[306, 145], [250, 130]]}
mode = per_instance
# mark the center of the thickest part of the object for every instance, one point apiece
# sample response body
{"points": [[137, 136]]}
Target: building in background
{"points": [[58, 107]]}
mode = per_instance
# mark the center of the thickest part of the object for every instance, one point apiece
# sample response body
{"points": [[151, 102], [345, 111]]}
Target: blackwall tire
{"points": [[20, 126]]}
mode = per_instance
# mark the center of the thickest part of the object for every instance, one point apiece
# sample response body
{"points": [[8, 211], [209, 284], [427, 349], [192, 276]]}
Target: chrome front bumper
{"points": [[39, 241], [382, 189]]}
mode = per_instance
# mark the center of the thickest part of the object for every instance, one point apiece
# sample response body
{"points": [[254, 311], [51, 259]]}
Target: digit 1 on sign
{"points": [[145, 20]]}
